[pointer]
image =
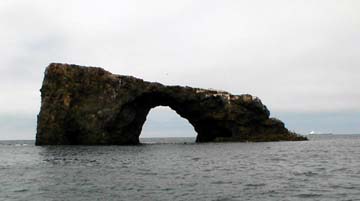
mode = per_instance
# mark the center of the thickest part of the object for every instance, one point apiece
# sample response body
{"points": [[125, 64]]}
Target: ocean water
{"points": [[324, 168]]}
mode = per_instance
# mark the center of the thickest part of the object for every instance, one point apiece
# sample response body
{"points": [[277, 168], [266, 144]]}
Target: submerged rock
{"points": [[90, 106]]}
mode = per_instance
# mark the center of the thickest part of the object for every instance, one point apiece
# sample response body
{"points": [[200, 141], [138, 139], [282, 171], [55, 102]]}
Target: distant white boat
{"points": [[319, 133]]}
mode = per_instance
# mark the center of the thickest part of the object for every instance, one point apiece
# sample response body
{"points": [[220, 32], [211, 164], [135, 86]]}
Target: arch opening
{"points": [[127, 125], [164, 125]]}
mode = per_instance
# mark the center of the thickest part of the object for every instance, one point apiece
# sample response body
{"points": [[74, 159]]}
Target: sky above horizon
{"points": [[301, 58]]}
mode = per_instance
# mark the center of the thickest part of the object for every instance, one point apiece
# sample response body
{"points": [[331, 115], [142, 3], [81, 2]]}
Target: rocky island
{"points": [[91, 106]]}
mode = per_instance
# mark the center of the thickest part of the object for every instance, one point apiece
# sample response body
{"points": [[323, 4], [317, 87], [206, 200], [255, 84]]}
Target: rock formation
{"points": [[90, 106]]}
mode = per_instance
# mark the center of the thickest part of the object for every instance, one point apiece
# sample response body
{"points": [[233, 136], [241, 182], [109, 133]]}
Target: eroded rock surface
{"points": [[90, 106]]}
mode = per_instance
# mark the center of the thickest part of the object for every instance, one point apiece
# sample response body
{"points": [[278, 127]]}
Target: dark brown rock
{"points": [[90, 106]]}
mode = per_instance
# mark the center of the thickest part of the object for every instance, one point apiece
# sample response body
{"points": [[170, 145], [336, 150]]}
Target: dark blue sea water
{"points": [[324, 168]]}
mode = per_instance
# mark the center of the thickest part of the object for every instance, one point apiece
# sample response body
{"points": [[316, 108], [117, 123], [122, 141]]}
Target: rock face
{"points": [[90, 106]]}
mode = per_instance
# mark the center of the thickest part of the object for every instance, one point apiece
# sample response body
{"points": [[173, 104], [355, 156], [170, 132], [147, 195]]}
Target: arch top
{"points": [[88, 105]]}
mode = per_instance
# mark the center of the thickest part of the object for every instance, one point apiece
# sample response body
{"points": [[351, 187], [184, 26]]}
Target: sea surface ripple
{"points": [[324, 168]]}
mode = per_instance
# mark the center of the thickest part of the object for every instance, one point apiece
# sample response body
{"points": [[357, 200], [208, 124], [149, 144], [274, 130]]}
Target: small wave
{"points": [[255, 185], [196, 159], [20, 190], [221, 182], [224, 199], [340, 169], [21, 144], [308, 195], [308, 173], [277, 159], [343, 187]]}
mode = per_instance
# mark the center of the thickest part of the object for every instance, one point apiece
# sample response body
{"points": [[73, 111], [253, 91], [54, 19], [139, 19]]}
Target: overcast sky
{"points": [[302, 58]]}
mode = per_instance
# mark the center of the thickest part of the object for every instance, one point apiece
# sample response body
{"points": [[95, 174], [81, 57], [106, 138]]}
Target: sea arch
{"points": [[91, 106], [132, 117]]}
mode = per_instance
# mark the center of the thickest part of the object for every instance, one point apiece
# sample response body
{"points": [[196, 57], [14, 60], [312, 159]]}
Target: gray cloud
{"points": [[297, 56]]}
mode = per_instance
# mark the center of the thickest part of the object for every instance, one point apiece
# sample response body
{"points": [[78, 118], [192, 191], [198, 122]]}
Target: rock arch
{"points": [[88, 105], [136, 111]]}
